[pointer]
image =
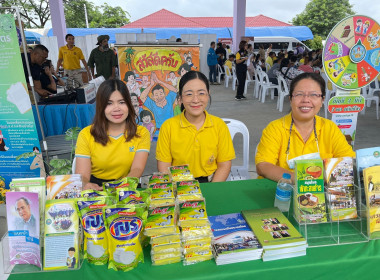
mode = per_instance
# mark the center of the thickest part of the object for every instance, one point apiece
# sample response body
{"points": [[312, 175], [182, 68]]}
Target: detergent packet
{"points": [[161, 221], [95, 238], [92, 193], [137, 197], [162, 195], [158, 177], [193, 213], [180, 173], [123, 227], [126, 182], [188, 191]]}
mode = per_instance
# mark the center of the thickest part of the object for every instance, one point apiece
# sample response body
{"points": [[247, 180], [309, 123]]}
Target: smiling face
{"points": [[116, 111], [304, 108], [146, 119], [158, 95], [195, 98], [23, 210]]}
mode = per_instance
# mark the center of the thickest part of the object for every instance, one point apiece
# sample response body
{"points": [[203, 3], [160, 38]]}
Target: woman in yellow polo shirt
{"points": [[301, 134], [114, 146], [195, 137]]}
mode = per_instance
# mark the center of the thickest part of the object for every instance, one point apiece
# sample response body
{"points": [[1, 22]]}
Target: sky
{"points": [[276, 9]]}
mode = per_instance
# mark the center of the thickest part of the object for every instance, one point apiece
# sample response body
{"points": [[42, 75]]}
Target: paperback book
{"points": [[341, 193], [233, 239], [309, 200], [279, 238]]}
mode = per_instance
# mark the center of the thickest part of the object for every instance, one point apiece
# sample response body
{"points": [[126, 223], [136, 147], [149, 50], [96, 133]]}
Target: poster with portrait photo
{"points": [[23, 218]]}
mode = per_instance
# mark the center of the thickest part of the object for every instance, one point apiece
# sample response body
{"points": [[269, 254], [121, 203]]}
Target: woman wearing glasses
{"points": [[301, 134], [195, 137]]}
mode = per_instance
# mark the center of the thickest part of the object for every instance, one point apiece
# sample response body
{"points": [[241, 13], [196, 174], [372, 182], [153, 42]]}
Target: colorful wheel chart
{"points": [[351, 56]]}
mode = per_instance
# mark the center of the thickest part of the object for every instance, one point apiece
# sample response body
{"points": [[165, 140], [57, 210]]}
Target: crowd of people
{"points": [[115, 145], [287, 64]]}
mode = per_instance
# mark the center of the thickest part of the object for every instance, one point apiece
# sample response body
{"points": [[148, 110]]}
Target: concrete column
{"points": [[58, 21], [239, 23]]}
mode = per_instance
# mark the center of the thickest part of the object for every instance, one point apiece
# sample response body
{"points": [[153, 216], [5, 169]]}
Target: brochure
{"points": [[371, 177], [64, 186], [23, 228], [61, 235]]}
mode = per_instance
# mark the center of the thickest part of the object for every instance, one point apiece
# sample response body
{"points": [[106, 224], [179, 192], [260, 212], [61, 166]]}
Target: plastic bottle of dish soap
{"points": [[283, 193]]}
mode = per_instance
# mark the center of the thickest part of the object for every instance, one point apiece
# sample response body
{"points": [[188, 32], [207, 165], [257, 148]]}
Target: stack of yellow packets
{"points": [[196, 232], [161, 226]]}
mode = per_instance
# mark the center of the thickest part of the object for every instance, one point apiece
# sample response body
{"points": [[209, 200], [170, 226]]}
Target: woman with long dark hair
{"points": [[114, 146], [195, 137], [241, 69]]}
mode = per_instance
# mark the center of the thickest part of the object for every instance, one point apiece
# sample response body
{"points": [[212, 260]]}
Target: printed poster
{"points": [[23, 218], [152, 75], [18, 134]]}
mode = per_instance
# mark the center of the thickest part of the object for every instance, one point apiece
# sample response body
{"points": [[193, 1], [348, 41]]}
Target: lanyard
{"points": [[290, 133]]}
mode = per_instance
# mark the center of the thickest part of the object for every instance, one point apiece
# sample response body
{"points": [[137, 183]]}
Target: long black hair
{"points": [[189, 76]]}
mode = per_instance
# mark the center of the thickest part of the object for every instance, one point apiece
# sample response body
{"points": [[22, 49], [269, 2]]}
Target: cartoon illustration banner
{"points": [[152, 75], [18, 134]]}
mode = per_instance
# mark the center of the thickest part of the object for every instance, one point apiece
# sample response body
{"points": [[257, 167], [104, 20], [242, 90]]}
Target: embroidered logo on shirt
{"points": [[211, 160], [132, 149]]}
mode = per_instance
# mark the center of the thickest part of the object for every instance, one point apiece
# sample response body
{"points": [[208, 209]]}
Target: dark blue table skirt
{"points": [[57, 118]]}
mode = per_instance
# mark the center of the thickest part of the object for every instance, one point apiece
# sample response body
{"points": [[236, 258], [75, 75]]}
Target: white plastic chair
{"points": [[234, 78], [228, 75], [257, 84], [369, 99], [371, 91], [267, 85], [73, 165], [282, 92], [239, 172], [220, 73], [247, 82]]}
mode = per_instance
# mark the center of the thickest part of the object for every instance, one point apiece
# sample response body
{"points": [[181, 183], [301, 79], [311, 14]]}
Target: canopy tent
{"points": [[302, 33], [32, 37]]}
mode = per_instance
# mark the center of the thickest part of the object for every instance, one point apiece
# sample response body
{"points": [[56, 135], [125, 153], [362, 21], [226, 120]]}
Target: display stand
{"points": [[27, 268], [337, 231]]}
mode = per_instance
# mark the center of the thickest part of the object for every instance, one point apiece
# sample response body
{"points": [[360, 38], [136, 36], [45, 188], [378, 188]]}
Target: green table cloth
{"points": [[353, 261]]}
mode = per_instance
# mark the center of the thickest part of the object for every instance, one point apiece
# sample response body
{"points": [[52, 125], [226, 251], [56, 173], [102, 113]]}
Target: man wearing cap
{"points": [[103, 58], [70, 57]]}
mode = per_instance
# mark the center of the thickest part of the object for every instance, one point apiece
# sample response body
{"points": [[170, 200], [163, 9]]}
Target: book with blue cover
{"points": [[233, 239]]}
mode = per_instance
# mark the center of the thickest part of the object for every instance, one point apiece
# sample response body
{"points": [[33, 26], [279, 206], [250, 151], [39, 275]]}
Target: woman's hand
{"points": [[92, 186]]}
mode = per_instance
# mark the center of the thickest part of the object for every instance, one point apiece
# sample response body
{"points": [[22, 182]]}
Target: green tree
{"points": [[322, 15], [316, 43], [98, 16], [34, 14]]}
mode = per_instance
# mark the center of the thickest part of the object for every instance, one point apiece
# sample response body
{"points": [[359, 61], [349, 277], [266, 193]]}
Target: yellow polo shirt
{"points": [[179, 142], [269, 60], [114, 160], [274, 141], [71, 57]]}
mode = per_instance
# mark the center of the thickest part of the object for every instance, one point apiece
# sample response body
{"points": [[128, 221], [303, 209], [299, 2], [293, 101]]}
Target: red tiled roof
{"points": [[162, 18], [165, 18]]}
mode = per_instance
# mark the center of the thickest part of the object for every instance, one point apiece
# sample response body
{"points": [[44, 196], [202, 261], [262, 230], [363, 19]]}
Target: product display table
{"points": [[57, 118], [354, 261]]}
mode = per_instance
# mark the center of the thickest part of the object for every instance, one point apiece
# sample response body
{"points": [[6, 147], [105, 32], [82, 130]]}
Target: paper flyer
{"points": [[23, 228], [61, 235]]}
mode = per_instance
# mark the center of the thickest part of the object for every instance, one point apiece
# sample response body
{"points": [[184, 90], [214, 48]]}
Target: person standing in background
{"points": [[69, 57], [103, 58], [241, 69], [212, 61]]}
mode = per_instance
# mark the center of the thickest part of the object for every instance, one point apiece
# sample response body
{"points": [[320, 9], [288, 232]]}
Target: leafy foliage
{"points": [[322, 15], [35, 14], [59, 166], [98, 16], [316, 43]]}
